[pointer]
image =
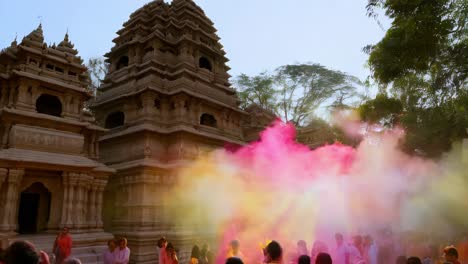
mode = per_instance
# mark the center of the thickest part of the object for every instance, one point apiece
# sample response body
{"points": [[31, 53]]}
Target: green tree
{"points": [[423, 62], [97, 70], [295, 92]]}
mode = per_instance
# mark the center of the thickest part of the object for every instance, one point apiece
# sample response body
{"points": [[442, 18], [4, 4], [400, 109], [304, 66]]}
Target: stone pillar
{"points": [[78, 202], [9, 219], [92, 207], [72, 183], [3, 198], [65, 199], [6, 127], [99, 200]]}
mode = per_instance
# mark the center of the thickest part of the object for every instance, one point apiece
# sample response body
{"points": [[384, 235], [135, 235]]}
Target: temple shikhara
{"points": [[105, 166]]}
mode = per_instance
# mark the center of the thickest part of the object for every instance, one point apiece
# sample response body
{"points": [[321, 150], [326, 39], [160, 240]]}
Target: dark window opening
{"points": [[149, 50], [33, 61], [72, 73], [204, 63], [49, 105], [114, 120], [50, 66], [208, 120], [157, 104], [59, 69], [123, 62]]}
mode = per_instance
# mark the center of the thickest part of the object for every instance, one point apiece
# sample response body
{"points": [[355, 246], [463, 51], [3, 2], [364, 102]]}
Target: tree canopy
{"points": [[421, 66], [295, 92], [97, 69]]}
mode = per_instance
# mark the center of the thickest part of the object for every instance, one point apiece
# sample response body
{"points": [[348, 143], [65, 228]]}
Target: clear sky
{"points": [[258, 35]]}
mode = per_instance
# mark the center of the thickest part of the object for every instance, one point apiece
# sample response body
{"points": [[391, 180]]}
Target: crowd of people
{"points": [[24, 252], [387, 249], [168, 254], [360, 251]]}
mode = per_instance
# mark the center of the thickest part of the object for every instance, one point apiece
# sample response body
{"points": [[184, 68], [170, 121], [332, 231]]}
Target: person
{"points": [[234, 250], [451, 255], [162, 243], [122, 253], [301, 248], [386, 249], [323, 258], [171, 255], [203, 255], [62, 246], [317, 248], [25, 253], [341, 255], [72, 261], [303, 259], [413, 260], [234, 261], [273, 252], [210, 257], [195, 256], [370, 250], [108, 255], [401, 260], [463, 249], [354, 251]]}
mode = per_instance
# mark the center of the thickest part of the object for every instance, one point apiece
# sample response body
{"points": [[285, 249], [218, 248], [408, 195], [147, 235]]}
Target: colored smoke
{"points": [[278, 189]]}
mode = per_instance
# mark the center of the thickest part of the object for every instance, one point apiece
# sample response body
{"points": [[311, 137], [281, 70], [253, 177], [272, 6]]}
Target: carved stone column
{"points": [[6, 127], [3, 177], [72, 183], [100, 191], [65, 199], [78, 202], [10, 216], [92, 207]]}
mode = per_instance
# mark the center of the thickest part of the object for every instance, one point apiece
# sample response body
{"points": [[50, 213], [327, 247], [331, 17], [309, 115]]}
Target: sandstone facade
{"points": [[50, 176], [166, 100]]}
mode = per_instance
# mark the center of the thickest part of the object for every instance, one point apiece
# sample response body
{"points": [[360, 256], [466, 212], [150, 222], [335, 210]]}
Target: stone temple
{"points": [[105, 166]]}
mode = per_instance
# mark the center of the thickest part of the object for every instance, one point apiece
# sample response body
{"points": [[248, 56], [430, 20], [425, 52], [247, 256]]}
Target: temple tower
{"points": [[165, 100], [49, 174]]}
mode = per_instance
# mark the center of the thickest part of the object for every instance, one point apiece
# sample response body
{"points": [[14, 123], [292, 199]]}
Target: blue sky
{"points": [[258, 35]]}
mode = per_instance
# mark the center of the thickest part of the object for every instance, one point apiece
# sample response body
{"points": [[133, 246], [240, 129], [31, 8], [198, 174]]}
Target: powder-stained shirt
{"points": [[108, 257], [121, 256]]}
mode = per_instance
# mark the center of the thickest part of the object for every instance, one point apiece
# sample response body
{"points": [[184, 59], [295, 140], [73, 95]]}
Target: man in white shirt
{"points": [[341, 255], [122, 253]]}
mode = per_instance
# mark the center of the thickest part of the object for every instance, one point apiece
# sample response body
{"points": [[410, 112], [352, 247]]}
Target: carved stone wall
{"points": [[36, 138]]}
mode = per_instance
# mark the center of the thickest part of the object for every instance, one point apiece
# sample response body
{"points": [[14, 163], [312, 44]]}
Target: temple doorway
{"points": [[34, 209]]}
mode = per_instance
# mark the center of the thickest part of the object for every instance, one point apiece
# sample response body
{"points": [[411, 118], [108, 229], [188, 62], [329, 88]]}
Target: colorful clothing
{"points": [[162, 255], [121, 256], [108, 257], [193, 261], [62, 248]]}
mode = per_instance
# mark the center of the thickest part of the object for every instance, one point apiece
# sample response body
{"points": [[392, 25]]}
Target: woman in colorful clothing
{"points": [[195, 256], [171, 254], [109, 253], [62, 246]]}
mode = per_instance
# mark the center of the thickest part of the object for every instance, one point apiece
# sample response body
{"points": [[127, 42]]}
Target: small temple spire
{"points": [[35, 38], [14, 43], [66, 45]]}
